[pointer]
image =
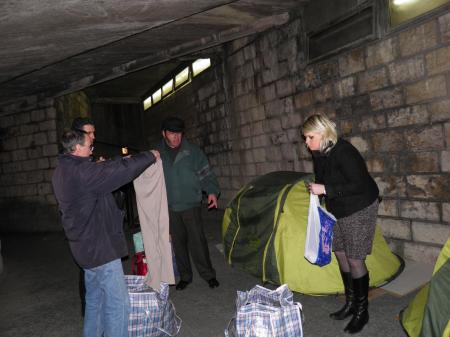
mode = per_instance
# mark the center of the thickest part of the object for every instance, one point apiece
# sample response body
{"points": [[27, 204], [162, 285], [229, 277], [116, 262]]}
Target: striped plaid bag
{"points": [[262, 312], [152, 314]]}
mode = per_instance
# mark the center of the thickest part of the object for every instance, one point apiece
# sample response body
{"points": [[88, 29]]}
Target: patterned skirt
{"points": [[354, 234]]}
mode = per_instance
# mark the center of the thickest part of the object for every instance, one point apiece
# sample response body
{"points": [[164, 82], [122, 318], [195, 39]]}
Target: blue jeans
{"points": [[107, 301]]}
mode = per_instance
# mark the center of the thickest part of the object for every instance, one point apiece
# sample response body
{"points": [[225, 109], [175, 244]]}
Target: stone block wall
{"points": [[29, 135], [28, 142], [69, 107], [390, 98]]}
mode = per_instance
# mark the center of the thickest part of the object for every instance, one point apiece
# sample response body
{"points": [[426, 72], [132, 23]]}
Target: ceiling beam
{"points": [[180, 51]]}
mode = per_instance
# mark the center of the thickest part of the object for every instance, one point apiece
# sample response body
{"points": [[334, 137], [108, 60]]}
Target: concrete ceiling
{"points": [[52, 47]]}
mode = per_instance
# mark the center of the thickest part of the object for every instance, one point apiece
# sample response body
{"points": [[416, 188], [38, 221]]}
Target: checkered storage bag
{"points": [[152, 314], [261, 312]]}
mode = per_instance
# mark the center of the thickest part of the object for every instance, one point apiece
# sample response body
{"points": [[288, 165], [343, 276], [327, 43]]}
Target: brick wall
{"points": [[390, 98]]}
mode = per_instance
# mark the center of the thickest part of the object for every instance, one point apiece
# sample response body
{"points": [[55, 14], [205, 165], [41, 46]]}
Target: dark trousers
{"points": [[188, 238]]}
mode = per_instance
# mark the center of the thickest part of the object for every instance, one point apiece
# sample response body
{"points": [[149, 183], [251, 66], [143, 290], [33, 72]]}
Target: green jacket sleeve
{"points": [[206, 176]]}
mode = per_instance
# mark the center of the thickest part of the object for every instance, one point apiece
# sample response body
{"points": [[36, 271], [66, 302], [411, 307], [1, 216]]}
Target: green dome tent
{"points": [[428, 314], [264, 230]]}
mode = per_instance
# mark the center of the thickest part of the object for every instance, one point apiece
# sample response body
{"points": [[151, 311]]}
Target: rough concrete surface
{"points": [[39, 294], [67, 46]]}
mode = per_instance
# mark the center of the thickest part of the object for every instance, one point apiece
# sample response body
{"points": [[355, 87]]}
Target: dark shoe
{"points": [[361, 314], [348, 308], [182, 285], [213, 283]]}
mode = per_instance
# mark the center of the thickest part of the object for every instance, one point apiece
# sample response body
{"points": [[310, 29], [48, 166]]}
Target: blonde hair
{"points": [[323, 125]]}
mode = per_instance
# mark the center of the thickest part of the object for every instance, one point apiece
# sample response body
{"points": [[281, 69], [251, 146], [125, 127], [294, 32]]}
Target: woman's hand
{"points": [[316, 189]]}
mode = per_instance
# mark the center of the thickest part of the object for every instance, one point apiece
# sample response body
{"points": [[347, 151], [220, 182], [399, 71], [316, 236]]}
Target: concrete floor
{"points": [[39, 294]]}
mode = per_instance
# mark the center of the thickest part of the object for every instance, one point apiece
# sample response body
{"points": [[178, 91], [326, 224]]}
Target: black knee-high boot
{"points": [[361, 313], [347, 309]]}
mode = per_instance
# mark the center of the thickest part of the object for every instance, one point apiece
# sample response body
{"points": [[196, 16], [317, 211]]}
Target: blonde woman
{"points": [[351, 195]]}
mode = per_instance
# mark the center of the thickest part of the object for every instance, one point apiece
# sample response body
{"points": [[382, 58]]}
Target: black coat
{"points": [[91, 219], [348, 184]]}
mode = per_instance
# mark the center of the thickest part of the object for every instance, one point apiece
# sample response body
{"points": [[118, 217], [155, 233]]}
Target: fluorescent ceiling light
{"points": [[403, 2], [156, 96], [147, 102], [167, 88], [182, 77], [199, 65]]}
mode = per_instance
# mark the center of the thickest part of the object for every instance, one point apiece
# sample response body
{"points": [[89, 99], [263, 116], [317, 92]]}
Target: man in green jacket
{"points": [[187, 174]]}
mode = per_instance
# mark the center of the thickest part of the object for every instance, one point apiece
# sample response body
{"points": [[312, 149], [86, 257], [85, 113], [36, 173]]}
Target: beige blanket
{"points": [[153, 212]]}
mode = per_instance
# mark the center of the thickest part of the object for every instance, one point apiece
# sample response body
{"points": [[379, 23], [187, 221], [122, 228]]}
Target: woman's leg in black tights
{"points": [[360, 279], [357, 267], [348, 308], [344, 265]]}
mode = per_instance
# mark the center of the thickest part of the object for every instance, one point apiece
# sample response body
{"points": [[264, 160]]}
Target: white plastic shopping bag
{"points": [[319, 234]]}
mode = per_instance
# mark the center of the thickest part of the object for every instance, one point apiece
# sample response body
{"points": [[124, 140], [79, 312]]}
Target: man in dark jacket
{"points": [[93, 225], [187, 174], [87, 126]]}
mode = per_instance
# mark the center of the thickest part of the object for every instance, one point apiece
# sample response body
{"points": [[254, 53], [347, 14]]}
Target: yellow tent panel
{"points": [[264, 232], [428, 314]]}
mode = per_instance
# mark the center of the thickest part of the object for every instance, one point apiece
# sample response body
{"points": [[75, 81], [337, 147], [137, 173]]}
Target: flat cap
{"points": [[173, 124]]}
